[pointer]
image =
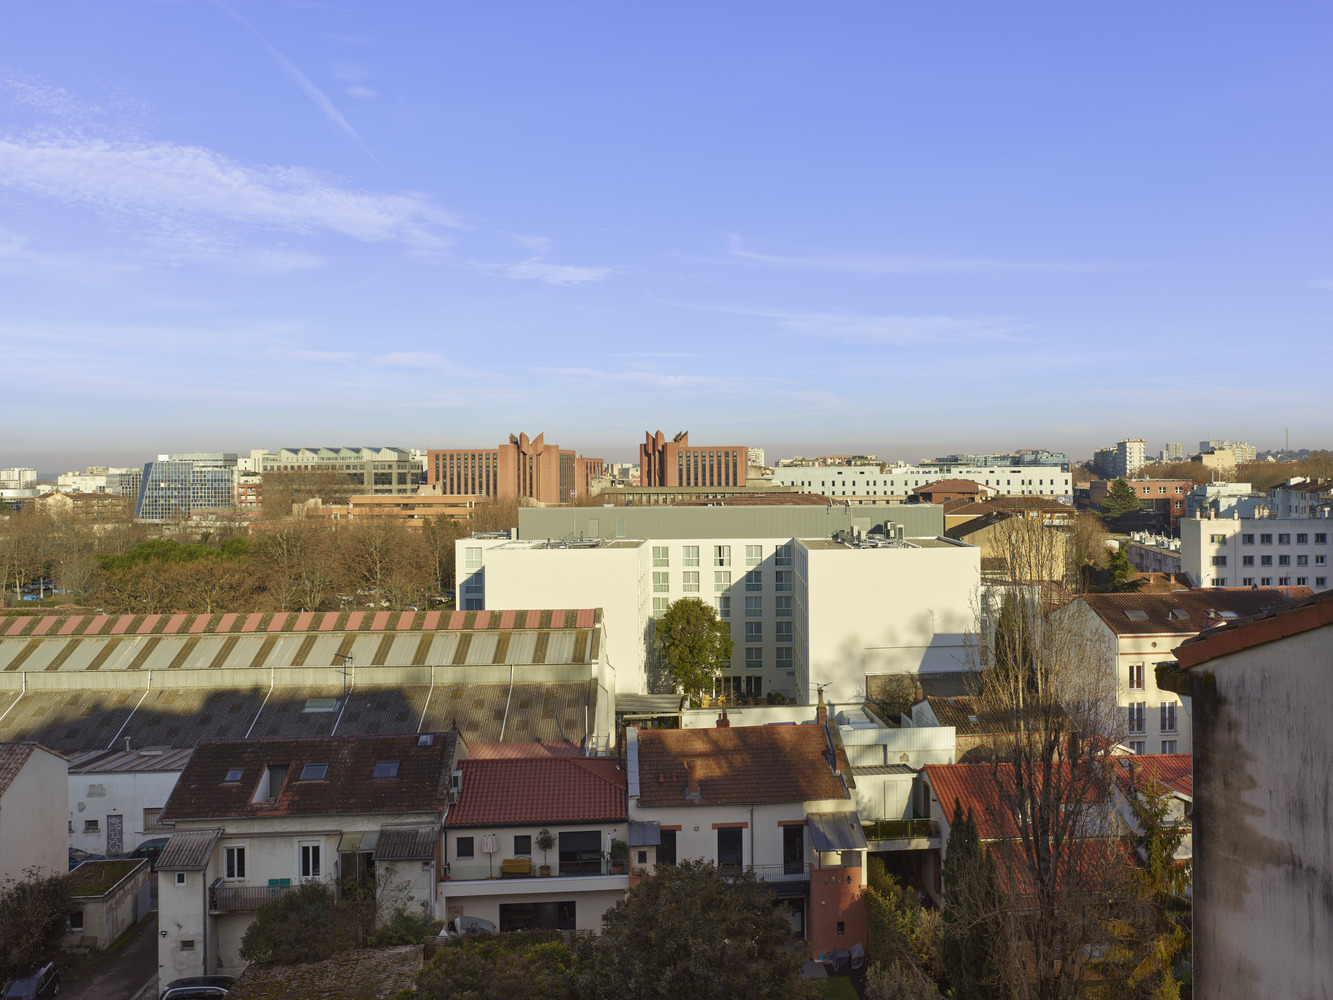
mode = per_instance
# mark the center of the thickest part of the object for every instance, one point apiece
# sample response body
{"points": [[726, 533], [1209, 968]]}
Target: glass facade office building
{"points": [[177, 489]]}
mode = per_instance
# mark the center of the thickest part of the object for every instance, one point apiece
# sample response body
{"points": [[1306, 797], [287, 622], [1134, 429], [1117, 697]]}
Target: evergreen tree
{"points": [[971, 900], [1120, 574], [1120, 500]]}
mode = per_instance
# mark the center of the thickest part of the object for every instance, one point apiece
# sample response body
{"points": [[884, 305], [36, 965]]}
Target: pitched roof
{"points": [[952, 486], [188, 850], [1187, 612], [1173, 770], [967, 716], [1314, 612], [986, 790], [347, 786], [532, 748], [407, 842], [12, 758], [546, 790], [736, 764], [1005, 504]]}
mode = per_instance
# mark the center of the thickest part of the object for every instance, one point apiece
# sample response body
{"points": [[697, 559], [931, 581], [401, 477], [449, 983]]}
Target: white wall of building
{"points": [[868, 480], [1231, 552], [95, 796], [32, 817]]}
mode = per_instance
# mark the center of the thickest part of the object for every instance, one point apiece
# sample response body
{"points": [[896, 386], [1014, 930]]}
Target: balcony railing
{"points": [[771, 873], [236, 898], [902, 829], [570, 868]]}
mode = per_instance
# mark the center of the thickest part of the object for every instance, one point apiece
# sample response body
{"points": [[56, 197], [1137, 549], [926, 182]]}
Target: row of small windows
{"points": [[754, 555], [1320, 582], [1266, 538], [754, 606], [1137, 717], [754, 581]]}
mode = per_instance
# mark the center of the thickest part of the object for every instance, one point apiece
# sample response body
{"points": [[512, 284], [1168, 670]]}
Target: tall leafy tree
{"points": [[1120, 500], [695, 645], [972, 901]]}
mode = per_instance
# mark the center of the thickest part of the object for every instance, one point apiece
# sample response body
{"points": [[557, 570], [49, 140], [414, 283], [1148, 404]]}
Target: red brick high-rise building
{"points": [[523, 469], [675, 463]]}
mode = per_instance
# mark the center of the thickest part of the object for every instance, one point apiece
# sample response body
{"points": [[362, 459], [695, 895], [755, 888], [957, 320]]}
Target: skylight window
{"points": [[320, 705], [1228, 614], [1135, 615], [386, 769], [314, 772], [234, 774]]}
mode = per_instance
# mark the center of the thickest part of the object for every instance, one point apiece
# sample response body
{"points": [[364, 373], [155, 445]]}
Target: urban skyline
{"points": [[876, 229]]}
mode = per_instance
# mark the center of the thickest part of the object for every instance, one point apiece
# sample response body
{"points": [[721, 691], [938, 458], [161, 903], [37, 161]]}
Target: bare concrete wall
{"points": [[1263, 787]]}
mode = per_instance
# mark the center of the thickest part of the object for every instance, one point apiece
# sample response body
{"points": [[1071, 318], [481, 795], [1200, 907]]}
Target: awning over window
{"points": [[355, 843], [645, 834], [836, 832]]}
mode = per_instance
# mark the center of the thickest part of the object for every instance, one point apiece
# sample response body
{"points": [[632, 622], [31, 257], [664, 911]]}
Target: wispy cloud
{"points": [[164, 183], [312, 356], [859, 328], [19, 256], [353, 77], [537, 269], [302, 82], [278, 261], [414, 360], [908, 264]]}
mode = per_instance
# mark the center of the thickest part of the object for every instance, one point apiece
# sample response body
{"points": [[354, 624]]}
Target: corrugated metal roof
{"points": [[188, 850], [121, 761], [400, 842], [836, 831]]}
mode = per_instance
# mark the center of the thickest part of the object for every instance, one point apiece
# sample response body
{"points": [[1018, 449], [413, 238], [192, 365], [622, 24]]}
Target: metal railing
{"points": [[771, 873], [901, 829], [231, 898]]}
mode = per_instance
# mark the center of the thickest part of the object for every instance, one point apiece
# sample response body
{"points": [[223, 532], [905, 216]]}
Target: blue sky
{"points": [[901, 228]]}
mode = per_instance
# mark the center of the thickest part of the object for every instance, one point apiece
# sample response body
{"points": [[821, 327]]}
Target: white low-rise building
{"points": [[804, 611], [899, 481], [33, 800], [116, 797], [1257, 552]]}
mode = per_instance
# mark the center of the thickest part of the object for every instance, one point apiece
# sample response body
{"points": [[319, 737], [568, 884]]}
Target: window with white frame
{"points": [[1168, 716], [1302, 560], [721, 555], [754, 555], [689, 581], [754, 632], [689, 555], [472, 557], [723, 604], [310, 857], [660, 605], [784, 659], [661, 582], [1247, 560], [661, 555], [754, 657], [721, 579], [1247, 581], [1136, 713], [1219, 560], [1137, 746], [1136, 676], [1217, 539], [782, 631], [783, 607], [754, 607], [233, 862], [782, 581], [782, 555], [754, 581], [1168, 746]]}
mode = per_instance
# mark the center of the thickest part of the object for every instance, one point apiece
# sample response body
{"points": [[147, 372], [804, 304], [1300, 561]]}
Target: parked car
{"points": [[197, 987], [78, 857], [469, 925], [34, 983], [149, 849]]}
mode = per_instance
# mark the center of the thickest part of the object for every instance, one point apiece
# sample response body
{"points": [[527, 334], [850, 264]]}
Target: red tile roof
{"points": [[539, 790], [952, 486], [737, 764], [12, 758], [348, 787], [1203, 608], [1314, 612], [1174, 770], [516, 751], [987, 791]]}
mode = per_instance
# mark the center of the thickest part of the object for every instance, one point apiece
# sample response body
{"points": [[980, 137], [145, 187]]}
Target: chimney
{"points": [[722, 721], [692, 789], [821, 712], [920, 694]]}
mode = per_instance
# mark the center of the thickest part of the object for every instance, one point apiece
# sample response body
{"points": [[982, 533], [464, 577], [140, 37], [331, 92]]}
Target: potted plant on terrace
{"points": [[619, 856], [545, 841]]}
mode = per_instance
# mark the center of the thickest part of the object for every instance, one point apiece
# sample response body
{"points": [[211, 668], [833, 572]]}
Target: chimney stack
{"points": [[821, 712], [722, 721], [692, 790]]}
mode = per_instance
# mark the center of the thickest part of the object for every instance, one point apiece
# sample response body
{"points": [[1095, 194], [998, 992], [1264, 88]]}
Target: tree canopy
{"points": [[33, 911], [1120, 500], [694, 643]]}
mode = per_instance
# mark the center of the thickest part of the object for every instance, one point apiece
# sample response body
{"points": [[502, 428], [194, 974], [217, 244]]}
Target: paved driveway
{"points": [[120, 974]]}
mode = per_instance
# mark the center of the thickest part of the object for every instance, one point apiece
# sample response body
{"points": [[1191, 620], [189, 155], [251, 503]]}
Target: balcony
{"points": [[771, 873], [902, 834], [239, 898]]}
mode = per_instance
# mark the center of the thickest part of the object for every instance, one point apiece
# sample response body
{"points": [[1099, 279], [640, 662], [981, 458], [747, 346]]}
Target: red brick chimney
{"points": [[821, 712], [692, 790], [722, 721]]}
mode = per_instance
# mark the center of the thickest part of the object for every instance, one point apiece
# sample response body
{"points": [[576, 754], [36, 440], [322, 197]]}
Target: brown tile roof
{"points": [[514, 751], [545, 790], [1314, 612], [12, 758], [737, 764], [348, 787], [987, 791], [1187, 612], [967, 716], [1174, 770], [951, 486], [965, 505]]}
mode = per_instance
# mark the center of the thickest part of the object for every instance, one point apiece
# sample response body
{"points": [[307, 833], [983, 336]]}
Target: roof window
{"points": [[314, 772], [1179, 613], [320, 705], [426, 739], [1135, 615], [234, 774], [386, 769]]}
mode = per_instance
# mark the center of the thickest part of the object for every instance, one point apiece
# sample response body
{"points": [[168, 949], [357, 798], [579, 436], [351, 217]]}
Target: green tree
{"points": [[534, 965], [687, 931], [1119, 577], [1120, 500], [972, 898], [32, 918], [304, 925], [695, 645]]}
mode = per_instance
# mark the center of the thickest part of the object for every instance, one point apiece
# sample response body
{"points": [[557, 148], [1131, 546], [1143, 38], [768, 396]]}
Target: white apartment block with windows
{"points": [[1257, 552], [1131, 455], [18, 479], [803, 612], [868, 481]]}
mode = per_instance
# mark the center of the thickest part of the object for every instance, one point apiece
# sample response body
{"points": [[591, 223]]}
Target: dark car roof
{"points": [[200, 981]]}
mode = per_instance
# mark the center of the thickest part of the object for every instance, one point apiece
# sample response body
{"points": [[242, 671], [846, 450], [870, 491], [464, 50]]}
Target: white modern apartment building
{"points": [[804, 611], [373, 470], [867, 481], [1131, 455], [1257, 552], [17, 479]]}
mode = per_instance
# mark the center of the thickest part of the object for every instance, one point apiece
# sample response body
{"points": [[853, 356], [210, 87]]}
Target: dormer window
{"points": [[386, 769], [234, 774], [270, 785], [314, 772]]}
